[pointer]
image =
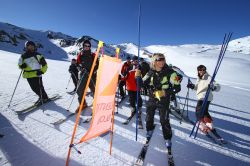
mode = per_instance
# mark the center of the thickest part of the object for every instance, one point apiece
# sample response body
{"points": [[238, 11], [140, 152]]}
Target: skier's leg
{"points": [[34, 85], [44, 94], [151, 107]]}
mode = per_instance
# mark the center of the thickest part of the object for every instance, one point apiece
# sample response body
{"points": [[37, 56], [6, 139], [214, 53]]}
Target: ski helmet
{"points": [[27, 43]]}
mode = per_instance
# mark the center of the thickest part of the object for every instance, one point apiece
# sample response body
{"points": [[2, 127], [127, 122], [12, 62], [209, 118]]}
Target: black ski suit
{"points": [[162, 80], [85, 60], [74, 74]]}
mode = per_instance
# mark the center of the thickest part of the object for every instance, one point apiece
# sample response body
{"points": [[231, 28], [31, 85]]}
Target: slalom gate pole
{"points": [[137, 81], [15, 87], [100, 45], [113, 113]]}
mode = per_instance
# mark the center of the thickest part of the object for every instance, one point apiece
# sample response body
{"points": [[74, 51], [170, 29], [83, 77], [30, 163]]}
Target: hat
{"points": [[201, 67], [128, 58], [86, 42], [27, 43], [135, 58]]}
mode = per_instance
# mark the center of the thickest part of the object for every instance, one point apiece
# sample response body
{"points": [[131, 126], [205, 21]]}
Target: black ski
{"points": [[142, 154], [71, 93], [31, 108], [87, 120], [60, 121], [129, 119]]}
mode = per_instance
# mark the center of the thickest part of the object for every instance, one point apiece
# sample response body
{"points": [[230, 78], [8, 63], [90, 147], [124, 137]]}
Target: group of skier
{"points": [[157, 80]]}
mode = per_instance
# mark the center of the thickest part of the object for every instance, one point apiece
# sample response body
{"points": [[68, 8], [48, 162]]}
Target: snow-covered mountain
{"points": [[53, 45]]}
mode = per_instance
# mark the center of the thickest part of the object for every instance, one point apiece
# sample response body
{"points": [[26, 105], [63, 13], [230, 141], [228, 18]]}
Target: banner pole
{"points": [[100, 44], [113, 113]]}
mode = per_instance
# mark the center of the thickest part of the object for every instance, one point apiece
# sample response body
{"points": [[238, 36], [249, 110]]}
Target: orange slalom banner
{"points": [[104, 98]]}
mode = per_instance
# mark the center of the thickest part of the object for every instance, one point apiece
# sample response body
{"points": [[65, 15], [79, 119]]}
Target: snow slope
{"points": [[31, 139]]}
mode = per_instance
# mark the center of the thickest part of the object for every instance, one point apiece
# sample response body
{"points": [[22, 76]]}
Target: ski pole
{"points": [[15, 87], [68, 82], [79, 82], [41, 93], [137, 80]]}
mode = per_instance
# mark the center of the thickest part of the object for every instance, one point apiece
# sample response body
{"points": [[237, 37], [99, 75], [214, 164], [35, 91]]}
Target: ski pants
{"points": [[163, 107], [83, 82], [132, 99], [121, 85], [74, 77], [36, 84], [198, 110]]}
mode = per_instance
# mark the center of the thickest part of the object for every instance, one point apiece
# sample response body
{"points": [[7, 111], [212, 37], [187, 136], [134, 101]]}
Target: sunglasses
{"points": [[160, 59], [86, 45]]}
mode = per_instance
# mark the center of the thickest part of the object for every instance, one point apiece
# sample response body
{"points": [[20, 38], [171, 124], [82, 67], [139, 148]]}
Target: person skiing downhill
{"points": [[85, 60], [201, 86], [161, 81], [74, 72], [34, 65]]}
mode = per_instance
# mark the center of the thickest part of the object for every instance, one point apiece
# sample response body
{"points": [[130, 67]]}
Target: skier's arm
{"points": [[175, 84], [21, 64], [43, 62]]}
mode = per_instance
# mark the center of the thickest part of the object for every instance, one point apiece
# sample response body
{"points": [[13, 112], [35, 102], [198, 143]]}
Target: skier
{"points": [[201, 86], [74, 72], [145, 67], [85, 60], [129, 77], [122, 83], [34, 65], [161, 82]]}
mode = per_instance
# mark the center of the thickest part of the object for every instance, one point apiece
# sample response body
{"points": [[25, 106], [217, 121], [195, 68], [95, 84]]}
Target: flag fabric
{"points": [[104, 98]]}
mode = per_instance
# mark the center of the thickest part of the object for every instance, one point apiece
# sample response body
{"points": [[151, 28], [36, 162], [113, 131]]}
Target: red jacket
{"points": [[125, 67], [130, 79]]}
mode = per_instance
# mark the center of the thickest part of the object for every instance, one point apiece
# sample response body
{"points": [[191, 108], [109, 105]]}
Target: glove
{"points": [[137, 73], [212, 87], [159, 93], [190, 85], [24, 65], [39, 72]]}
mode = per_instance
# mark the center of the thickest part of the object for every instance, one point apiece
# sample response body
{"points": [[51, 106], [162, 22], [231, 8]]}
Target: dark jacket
{"points": [[85, 60], [166, 79]]}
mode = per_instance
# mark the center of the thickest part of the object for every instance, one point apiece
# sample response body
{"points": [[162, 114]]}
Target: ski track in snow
{"points": [[31, 140]]}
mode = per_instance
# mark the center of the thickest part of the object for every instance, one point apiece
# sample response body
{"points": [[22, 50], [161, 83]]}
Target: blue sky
{"points": [[167, 22]]}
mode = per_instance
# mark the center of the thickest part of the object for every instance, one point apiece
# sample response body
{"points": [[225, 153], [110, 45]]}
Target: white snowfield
{"points": [[32, 140]]}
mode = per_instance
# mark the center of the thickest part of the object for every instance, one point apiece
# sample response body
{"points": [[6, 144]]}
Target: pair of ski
{"points": [[62, 120], [36, 106], [143, 152], [214, 137], [140, 125]]}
